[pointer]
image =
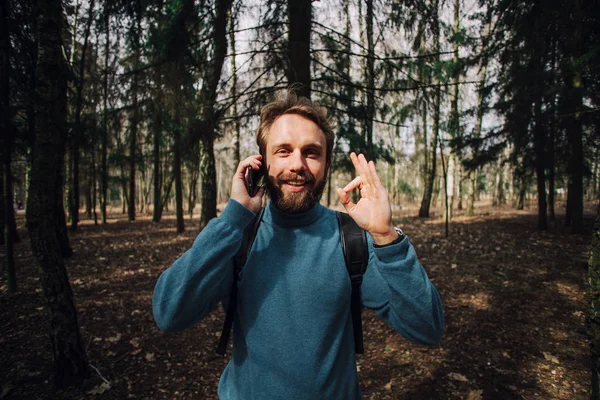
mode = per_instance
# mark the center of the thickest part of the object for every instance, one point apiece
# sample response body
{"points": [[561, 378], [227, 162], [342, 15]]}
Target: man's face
{"points": [[296, 163]]}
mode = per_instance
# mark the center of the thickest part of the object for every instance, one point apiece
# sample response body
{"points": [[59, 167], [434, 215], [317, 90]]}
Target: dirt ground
{"points": [[514, 301]]}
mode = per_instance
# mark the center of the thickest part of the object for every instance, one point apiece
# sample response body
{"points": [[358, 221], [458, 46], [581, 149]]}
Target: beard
{"points": [[295, 202]]}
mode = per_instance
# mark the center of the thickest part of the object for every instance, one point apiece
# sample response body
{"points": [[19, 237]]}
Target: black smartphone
{"points": [[253, 180]]}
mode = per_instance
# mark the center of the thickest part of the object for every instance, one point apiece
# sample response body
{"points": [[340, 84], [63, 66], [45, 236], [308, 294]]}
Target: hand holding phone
{"points": [[252, 180], [246, 186]]}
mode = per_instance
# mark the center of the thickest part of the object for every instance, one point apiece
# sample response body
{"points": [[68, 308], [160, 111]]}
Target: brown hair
{"points": [[290, 103]]}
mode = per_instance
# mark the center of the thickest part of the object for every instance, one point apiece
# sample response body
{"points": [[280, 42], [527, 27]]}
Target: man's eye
{"points": [[282, 151], [312, 153]]}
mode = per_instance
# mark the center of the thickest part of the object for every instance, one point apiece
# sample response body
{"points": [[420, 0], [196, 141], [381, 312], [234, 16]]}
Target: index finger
{"points": [[357, 165], [362, 167], [252, 161]]}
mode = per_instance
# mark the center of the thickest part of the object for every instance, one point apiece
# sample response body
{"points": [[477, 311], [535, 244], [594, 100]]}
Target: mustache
{"points": [[303, 178]]}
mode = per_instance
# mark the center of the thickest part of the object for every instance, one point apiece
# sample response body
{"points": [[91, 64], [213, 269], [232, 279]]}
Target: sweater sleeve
{"points": [[397, 288], [198, 280]]}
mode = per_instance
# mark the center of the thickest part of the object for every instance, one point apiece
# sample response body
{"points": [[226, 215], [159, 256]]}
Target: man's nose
{"points": [[297, 161]]}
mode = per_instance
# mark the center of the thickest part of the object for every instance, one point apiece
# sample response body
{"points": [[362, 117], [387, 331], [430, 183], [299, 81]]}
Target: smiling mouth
{"points": [[296, 183], [295, 186]]}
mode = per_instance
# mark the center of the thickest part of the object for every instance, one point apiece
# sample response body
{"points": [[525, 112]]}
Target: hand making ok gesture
{"points": [[372, 212]]}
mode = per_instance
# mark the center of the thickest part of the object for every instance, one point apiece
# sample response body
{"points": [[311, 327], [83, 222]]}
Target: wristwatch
{"points": [[401, 236], [400, 233]]}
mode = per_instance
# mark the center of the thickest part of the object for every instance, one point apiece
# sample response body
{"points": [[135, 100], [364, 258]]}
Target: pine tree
{"points": [[8, 230], [209, 114], [45, 195], [298, 49]]}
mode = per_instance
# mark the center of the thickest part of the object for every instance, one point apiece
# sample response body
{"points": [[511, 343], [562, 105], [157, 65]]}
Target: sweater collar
{"points": [[294, 220]]}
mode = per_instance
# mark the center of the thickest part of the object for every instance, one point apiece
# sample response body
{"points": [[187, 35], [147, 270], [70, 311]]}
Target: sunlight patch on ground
{"points": [[134, 272], [135, 245], [559, 335], [567, 289], [143, 298], [478, 301], [550, 371], [131, 233]]}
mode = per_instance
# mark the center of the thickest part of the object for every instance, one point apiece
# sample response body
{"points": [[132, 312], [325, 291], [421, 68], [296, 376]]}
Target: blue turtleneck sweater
{"points": [[292, 335]]}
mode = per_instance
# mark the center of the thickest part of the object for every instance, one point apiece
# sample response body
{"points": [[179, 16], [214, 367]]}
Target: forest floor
{"points": [[514, 301]]}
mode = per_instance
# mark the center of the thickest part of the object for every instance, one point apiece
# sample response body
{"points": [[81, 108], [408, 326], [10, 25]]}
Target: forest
{"points": [[123, 122]]}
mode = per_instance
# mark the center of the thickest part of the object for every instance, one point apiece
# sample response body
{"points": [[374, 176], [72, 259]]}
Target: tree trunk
{"points": [[8, 232], [73, 183], [522, 182], [551, 176], [134, 120], [298, 68], [498, 190], [210, 116], [234, 83], [8, 223], [429, 183], [61, 220], [167, 193], [499, 197], [574, 125], [481, 103], [425, 162], [194, 175], [91, 170], [472, 188], [104, 156], [428, 195], [146, 187], [459, 190], [124, 198], [595, 191], [419, 156], [132, 158], [453, 162], [88, 193], [208, 175], [594, 312], [370, 83], [2, 200], [78, 130], [44, 201], [177, 172], [449, 182], [157, 209], [552, 132], [446, 204], [424, 171], [94, 187], [540, 167], [574, 215]]}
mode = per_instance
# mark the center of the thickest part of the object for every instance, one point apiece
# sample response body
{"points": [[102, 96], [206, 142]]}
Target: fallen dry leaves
{"points": [[514, 301]]}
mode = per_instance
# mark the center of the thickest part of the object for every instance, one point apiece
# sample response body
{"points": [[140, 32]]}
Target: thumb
{"points": [[256, 200]]}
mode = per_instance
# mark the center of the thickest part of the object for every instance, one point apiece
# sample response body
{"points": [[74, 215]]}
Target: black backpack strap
{"points": [[356, 255], [239, 261]]}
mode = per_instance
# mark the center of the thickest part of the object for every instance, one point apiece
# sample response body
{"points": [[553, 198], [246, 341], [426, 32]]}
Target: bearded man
{"points": [[293, 334]]}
